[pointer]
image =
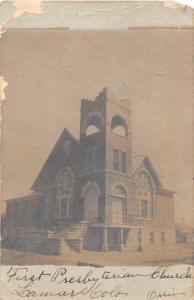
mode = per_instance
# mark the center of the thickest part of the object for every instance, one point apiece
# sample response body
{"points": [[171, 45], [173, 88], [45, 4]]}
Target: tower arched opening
{"points": [[119, 126], [93, 123]]}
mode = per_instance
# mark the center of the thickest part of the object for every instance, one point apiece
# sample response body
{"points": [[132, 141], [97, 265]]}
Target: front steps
{"points": [[73, 234], [71, 237], [48, 242]]}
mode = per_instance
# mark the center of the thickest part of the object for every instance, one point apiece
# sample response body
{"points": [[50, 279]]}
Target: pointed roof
{"points": [[56, 158], [137, 160], [142, 160]]}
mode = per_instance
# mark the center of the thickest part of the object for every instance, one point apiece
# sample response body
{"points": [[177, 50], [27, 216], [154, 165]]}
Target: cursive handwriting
{"points": [[20, 274], [155, 295], [162, 272], [94, 292], [91, 282], [61, 276]]}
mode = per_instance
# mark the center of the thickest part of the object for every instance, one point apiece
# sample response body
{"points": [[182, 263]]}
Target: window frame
{"points": [[150, 203], [69, 196], [116, 160], [119, 161], [123, 162], [94, 155]]}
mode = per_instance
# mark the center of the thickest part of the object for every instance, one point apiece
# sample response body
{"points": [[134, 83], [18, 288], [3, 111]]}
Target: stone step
{"points": [[64, 248], [73, 233]]}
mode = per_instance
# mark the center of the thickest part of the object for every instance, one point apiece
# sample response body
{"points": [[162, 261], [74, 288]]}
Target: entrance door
{"points": [[119, 205], [117, 211], [91, 202], [91, 207]]}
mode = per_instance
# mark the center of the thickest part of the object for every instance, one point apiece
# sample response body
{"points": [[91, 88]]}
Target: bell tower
{"points": [[105, 140]]}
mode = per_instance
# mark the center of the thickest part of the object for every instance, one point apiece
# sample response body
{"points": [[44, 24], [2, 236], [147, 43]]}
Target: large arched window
{"points": [[119, 126], [64, 191], [144, 195]]}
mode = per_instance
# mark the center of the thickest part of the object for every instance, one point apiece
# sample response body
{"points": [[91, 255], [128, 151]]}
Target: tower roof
{"points": [[107, 94]]}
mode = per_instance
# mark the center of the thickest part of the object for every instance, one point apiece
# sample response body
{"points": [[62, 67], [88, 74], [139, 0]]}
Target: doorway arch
{"points": [[119, 204], [90, 195]]}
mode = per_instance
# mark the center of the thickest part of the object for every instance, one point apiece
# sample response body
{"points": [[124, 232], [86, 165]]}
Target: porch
{"points": [[112, 237]]}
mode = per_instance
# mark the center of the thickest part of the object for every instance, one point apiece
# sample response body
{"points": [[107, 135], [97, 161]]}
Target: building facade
{"points": [[92, 193]]}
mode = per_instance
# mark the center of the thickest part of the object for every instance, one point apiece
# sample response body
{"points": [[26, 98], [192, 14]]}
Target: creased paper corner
{"points": [[179, 3], [21, 7], [26, 6]]}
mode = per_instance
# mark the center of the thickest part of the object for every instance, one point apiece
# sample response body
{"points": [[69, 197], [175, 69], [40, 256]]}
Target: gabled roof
{"points": [[137, 161], [143, 161], [56, 158]]}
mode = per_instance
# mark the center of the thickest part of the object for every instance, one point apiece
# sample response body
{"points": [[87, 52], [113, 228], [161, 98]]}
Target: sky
{"points": [[50, 71]]}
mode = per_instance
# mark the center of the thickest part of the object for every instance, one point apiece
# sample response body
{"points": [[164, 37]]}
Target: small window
{"points": [[119, 161], [94, 160], [152, 237], [181, 237], [184, 237], [162, 237], [116, 160], [144, 194], [123, 162]]}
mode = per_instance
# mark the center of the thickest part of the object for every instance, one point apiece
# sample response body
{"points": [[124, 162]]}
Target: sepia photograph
{"points": [[97, 154]]}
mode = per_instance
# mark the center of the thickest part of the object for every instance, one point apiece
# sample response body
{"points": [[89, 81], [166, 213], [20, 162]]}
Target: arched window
{"points": [[144, 194], [93, 123], [119, 204], [64, 191], [119, 126], [90, 194]]}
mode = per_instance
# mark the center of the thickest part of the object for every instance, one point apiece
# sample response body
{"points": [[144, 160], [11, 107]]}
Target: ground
{"points": [[92, 258]]}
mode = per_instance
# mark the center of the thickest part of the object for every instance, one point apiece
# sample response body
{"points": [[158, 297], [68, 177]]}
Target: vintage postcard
{"points": [[97, 150]]}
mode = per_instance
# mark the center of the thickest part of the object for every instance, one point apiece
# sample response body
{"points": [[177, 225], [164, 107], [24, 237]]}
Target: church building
{"points": [[92, 193]]}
